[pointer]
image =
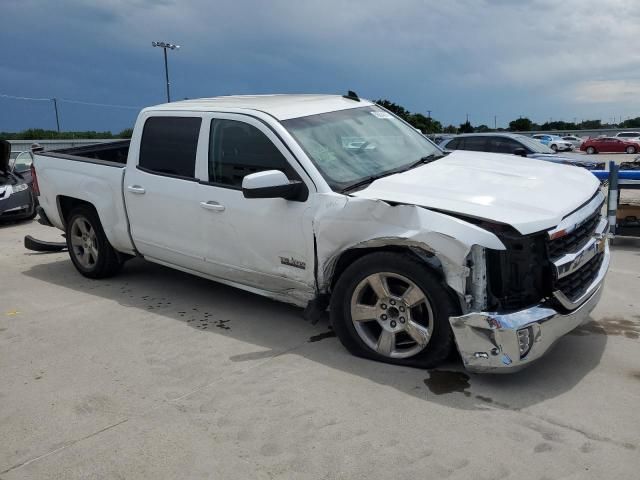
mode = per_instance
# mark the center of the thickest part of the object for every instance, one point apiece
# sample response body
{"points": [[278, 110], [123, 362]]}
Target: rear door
{"points": [[161, 190]]}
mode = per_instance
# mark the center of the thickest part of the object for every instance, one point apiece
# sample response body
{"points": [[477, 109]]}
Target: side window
{"points": [[169, 145], [503, 145], [476, 144], [237, 149], [453, 144]]}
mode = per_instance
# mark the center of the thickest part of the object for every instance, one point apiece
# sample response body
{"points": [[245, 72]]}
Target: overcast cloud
{"points": [[539, 58]]}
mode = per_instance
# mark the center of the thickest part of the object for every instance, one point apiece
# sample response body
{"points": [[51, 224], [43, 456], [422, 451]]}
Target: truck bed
{"points": [[110, 154], [92, 173]]}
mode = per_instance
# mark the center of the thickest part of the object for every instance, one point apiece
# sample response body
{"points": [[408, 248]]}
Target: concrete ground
{"points": [[157, 374]]}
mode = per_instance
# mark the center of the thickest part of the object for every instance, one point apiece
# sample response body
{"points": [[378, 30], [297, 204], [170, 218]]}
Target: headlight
{"points": [[20, 188]]}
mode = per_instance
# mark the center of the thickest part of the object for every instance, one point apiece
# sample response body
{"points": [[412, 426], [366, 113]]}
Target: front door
{"points": [[264, 243]]}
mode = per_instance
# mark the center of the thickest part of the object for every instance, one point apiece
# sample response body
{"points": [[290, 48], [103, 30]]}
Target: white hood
{"points": [[530, 195]]}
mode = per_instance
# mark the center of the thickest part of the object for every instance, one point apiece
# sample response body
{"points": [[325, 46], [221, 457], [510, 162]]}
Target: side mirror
{"points": [[520, 151], [273, 184]]}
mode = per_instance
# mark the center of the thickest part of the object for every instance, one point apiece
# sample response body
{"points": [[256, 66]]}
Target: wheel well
{"points": [[353, 254], [67, 204]]}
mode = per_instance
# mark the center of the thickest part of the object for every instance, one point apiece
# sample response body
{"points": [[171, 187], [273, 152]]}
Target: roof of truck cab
{"points": [[280, 106]]}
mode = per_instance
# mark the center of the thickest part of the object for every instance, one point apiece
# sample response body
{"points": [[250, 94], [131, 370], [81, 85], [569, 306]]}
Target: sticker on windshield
{"points": [[381, 115]]}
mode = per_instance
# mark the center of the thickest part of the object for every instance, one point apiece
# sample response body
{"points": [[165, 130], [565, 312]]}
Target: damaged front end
{"points": [[538, 289]]}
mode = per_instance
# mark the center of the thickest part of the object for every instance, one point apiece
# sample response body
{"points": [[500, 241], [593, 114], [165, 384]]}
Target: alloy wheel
{"points": [[84, 242], [392, 315]]}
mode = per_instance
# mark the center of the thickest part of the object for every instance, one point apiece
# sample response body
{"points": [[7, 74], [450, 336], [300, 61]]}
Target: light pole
{"points": [[164, 47]]}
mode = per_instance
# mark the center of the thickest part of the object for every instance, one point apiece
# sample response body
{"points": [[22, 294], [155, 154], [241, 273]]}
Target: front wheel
{"points": [[631, 149], [554, 147], [89, 249], [389, 307]]}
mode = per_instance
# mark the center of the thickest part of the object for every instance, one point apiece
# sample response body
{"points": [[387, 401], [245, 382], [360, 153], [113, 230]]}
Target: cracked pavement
{"points": [[158, 374]]}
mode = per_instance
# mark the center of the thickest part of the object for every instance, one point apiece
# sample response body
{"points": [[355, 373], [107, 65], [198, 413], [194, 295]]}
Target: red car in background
{"points": [[609, 145]]}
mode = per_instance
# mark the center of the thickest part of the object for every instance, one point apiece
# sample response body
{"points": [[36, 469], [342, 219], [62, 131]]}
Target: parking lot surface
{"points": [[159, 374]]}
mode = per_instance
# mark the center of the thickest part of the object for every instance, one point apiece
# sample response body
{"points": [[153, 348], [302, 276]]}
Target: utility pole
{"points": [[55, 106], [429, 114], [467, 118], [495, 122], [164, 47]]}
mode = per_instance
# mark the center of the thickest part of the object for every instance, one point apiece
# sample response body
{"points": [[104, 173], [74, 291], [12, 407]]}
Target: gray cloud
{"points": [[484, 57]]}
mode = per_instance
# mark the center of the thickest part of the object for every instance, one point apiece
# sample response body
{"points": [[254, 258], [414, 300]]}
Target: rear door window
{"points": [[476, 144], [169, 146], [503, 145]]}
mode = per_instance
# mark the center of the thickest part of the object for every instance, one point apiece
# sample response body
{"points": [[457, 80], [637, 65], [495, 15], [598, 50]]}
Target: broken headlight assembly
{"points": [[517, 277]]}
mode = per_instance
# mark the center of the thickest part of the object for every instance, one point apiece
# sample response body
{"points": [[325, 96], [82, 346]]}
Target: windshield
{"points": [[534, 145], [350, 146], [23, 162]]}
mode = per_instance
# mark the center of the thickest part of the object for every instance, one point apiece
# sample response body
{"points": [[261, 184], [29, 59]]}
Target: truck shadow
{"points": [[275, 329]]}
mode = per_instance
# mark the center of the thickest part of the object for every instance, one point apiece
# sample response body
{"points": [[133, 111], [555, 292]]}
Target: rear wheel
{"points": [[390, 308], [90, 251], [591, 150], [631, 149]]}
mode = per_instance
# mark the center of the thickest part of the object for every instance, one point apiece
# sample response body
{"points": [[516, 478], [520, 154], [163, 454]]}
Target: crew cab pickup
{"points": [[332, 202]]}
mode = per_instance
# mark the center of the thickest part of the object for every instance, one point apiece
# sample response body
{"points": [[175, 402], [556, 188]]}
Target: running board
{"points": [[36, 245]]}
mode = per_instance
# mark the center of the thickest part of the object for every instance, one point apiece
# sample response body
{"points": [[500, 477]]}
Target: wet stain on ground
{"points": [[447, 381], [322, 336], [223, 324], [619, 326], [635, 375]]}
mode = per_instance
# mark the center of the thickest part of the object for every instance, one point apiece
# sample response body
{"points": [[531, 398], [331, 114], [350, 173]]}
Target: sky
{"points": [[544, 59]]}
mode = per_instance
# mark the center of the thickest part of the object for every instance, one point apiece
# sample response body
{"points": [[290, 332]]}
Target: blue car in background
{"points": [[514, 144], [554, 142]]}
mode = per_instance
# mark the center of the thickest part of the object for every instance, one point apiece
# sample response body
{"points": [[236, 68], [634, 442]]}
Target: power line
{"points": [[3, 95], [78, 102], [66, 100]]}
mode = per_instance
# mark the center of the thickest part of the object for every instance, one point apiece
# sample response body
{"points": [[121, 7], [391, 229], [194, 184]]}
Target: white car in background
{"points": [[628, 135], [555, 143], [574, 140]]}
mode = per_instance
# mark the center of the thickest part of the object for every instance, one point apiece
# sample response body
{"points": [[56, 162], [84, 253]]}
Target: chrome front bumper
{"points": [[489, 341]]}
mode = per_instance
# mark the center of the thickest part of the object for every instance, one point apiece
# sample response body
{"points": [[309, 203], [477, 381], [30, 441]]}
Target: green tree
{"points": [[450, 129], [482, 129], [465, 127], [522, 124], [126, 133], [631, 123]]}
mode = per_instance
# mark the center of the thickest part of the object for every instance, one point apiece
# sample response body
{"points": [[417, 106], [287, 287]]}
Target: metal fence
{"points": [[18, 146]]}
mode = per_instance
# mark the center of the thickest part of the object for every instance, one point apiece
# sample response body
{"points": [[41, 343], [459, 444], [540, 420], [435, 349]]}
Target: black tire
{"points": [[108, 261], [441, 341], [554, 147], [591, 150]]}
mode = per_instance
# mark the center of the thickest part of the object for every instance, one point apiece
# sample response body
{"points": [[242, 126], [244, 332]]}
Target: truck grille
{"points": [[576, 284], [572, 242]]}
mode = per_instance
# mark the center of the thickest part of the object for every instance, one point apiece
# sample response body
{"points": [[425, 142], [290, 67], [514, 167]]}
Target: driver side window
{"points": [[237, 149]]}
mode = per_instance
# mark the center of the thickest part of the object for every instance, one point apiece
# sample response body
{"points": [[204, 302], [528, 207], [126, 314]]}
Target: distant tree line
{"points": [[40, 134], [430, 125], [418, 120]]}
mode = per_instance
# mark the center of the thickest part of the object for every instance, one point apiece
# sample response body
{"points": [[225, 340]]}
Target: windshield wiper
{"points": [[429, 158], [366, 181]]}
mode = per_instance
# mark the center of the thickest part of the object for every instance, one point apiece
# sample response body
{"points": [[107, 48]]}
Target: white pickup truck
{"points": [[328, 201]]}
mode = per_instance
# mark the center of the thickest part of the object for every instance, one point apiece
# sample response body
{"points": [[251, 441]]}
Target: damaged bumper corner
{"points": [[503, 343]]}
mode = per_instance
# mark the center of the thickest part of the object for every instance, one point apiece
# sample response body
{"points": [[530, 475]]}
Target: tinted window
{"points": [[169, 145], [503, 145], [237, 149], [453, 144], [476, 144]]}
